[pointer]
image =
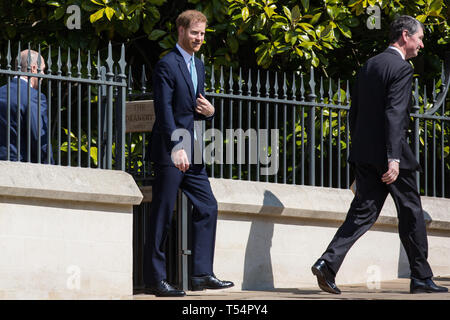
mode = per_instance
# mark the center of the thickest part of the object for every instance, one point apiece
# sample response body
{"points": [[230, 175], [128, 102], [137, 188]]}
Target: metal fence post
{"points": [[120, 115], [183, 241], [312, 130], [102, 118], [109, 78], [416, 109]]}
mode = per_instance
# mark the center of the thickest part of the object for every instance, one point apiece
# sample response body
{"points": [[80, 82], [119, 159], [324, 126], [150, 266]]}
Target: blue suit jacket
{"points": [[175, 102], [22, 155]]}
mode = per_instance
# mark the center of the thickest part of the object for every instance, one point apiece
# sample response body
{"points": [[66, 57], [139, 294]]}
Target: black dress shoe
{"points": [[324, 277], [209, 282], [164, 289], [425, 286]]}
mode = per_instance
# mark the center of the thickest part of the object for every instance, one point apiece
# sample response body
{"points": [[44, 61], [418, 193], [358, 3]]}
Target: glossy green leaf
{"points": [[97, 15], [436, 6], [53, 3], [109, 12], [287, 12], [305, 4], [97, 2], [296, 15], [156, 34], [59, 13]]}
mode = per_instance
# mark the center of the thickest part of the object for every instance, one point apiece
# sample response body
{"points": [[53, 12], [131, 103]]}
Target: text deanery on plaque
{"points": [[140, 116]]}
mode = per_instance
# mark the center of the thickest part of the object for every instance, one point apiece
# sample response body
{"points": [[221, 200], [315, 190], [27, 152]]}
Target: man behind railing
{"points": [[21, 100]]}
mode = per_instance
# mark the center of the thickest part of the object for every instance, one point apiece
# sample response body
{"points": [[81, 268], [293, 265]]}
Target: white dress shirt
{"points": [[187, 57], [398, 50]]}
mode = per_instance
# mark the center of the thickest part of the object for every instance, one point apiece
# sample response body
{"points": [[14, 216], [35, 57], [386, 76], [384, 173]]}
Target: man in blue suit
{"points": [[178, 88], [37, 131]]}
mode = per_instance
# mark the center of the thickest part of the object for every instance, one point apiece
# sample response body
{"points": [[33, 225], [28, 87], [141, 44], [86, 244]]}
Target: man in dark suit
{"points": [[22, 107], [382, 160], [178, 88]]}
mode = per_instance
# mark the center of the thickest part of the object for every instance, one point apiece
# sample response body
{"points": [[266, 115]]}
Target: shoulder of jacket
{"points": [[168, 58], [198, 60], [405, 67]]}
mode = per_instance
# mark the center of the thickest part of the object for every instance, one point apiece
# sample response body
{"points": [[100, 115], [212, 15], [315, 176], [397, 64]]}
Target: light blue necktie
{"points": [[193, 72]]}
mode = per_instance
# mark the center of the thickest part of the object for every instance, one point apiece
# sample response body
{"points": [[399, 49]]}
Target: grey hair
{"points": [[401, 23], [24, 60]]}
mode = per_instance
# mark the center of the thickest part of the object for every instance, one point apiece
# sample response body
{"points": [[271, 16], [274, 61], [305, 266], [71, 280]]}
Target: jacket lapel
{"points": [[185, 73]]}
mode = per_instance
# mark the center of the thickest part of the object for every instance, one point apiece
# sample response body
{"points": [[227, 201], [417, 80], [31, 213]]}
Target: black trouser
{"points": [[365, 208]]}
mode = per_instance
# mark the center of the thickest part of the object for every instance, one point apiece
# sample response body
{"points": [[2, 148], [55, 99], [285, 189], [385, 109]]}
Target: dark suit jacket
{"points": [[14, 154], [379, 113], [175, 103]]}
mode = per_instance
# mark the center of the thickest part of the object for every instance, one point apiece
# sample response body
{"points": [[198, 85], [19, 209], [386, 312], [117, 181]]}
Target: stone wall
{"points": [[269, 235], [65, 233]]}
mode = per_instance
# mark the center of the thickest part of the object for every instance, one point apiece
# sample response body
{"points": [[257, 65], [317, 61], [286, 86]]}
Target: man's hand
{"points": [[204, 107], [391, 175], [180, 160]]}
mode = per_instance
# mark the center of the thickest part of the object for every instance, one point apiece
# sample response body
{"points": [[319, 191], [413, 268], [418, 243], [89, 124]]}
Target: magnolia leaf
{"points": [[245, 13], [296, 15], [315, 61], [59, 13], [315, 18], [288, 13], [422, 18], [53, 3], [260, 37], [436, 5], [305, 4], [345, 30], [156, 34], [96, 2], [109, 13], [97, 15]]}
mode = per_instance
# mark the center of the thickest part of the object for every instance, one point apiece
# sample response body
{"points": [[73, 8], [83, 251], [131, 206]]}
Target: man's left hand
{"points": [[204, 107]]}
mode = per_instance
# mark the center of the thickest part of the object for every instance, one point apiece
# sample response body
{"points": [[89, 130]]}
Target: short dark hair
{"points": [[189, 16], [401, 23]]}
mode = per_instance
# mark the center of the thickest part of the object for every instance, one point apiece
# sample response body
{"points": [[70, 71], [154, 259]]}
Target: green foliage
{"points": [[275, 34], [298, 32]]}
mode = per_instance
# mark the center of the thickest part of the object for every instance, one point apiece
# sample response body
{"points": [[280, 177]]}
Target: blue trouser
{"points": [[195, 185]]}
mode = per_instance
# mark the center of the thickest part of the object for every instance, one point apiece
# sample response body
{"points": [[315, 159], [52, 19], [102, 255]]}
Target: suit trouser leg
{"points": [[411, 223], [197, 188], [195, 184], [364, 210], [164, 193]]}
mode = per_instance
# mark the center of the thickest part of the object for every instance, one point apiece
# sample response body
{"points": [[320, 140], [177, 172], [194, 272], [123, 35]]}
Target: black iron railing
{"points": [[294, 129]]}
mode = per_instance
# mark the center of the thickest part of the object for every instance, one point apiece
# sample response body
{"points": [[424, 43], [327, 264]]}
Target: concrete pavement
{"points": [[388, 290]]}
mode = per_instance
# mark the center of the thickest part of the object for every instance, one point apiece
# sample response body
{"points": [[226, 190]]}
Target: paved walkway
{"points": [[389, 290]]}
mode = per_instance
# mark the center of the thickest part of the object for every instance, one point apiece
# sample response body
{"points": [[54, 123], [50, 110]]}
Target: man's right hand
{"points": [[180, 160], [391, 175]]}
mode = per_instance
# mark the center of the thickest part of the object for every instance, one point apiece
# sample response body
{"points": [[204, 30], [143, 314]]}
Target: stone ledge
{"points": [[307, 202], [67, 183]]}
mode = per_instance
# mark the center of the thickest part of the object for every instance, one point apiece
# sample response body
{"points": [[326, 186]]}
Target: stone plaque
{"points": [[140, 116]]}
